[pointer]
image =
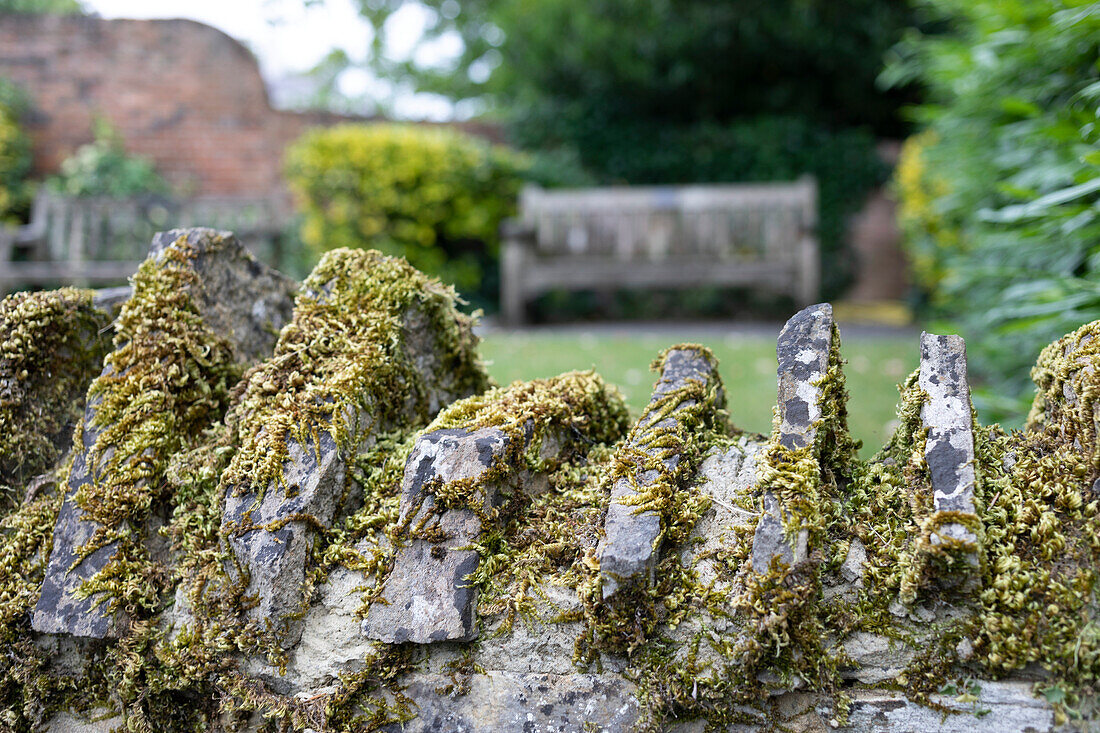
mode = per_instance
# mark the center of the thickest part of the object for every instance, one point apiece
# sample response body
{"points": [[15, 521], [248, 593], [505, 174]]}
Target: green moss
{"points": [[665, 445], [167, 380], [51, 347], [343, 354], [559, 427]]}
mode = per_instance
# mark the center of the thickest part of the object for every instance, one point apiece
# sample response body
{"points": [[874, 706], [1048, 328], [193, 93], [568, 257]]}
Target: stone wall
{"points": [[320, 515], [183, 93]]}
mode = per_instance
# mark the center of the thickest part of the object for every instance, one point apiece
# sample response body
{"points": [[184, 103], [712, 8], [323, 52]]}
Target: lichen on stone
{"points": [[52, 344]]}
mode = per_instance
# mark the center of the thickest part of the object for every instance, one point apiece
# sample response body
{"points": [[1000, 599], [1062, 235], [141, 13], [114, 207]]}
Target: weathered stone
{"points": [[271, 529], [630, 549], [875, 658], [852, 569], [275, 551], [803, 350], [728, 476], [98, 720], [238, 298], [1001, 707], [510, 702], [949, 447], [111, 299], [427, 595]]}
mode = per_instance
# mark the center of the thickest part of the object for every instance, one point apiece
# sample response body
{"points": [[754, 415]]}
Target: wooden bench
{"points": [[99, 241], [758, 235]]}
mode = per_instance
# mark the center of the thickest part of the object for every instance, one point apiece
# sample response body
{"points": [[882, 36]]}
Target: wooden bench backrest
{"points": [[751, 222], [96, 240]]}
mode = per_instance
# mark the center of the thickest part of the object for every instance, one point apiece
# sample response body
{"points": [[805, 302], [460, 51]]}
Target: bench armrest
{"points": [[517, 230]]}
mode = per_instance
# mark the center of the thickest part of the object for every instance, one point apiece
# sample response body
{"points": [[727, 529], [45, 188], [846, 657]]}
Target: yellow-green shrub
{"points": [[15, 156], [432, 195], [929, 236]]}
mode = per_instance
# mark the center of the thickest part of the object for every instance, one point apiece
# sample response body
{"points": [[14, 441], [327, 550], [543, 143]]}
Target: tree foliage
{"points": [[1001, 195], [61, 7], [678, 91], [674, 61]]}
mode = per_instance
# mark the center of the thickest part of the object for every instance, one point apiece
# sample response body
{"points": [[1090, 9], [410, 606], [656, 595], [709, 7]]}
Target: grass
{"points": [[747, 364]]}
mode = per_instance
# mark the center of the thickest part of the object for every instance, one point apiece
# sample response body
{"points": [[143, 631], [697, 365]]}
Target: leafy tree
{"points": [[677, 61], [1001, 194], [41, 6], [674, 91]]}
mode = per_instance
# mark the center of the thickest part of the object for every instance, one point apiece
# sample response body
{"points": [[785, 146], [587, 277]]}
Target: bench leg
{"points": [[512, 262], [808, 281]]}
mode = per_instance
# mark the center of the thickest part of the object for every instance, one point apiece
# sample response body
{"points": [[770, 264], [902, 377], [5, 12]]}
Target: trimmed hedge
{"points": [[432, 195], [15, 156]]}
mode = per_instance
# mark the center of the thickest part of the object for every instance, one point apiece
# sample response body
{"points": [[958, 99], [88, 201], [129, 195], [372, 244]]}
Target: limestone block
{"points": [[275, 552], [427, 595], [803, 351], [510, 702]]}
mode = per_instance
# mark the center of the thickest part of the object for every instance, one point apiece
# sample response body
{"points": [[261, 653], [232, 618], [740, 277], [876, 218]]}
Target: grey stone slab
{"points": [[949, 446], [59, 610], [1002, 707], [803, 354], [238, 297], [427, 596], [98, 720], [275, 552], [112, 299], [630, 548], [510, 702], [803, 350]]}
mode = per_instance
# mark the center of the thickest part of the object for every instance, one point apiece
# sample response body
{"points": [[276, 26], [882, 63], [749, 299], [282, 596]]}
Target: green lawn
{"points": [[874, 368]]}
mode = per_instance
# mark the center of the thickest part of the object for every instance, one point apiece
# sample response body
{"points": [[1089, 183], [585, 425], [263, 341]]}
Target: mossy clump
{"points": [[345, 355], [1065, 377], [658, 457], [571, 410], [559, 427], [51, 346], [167, 380]]}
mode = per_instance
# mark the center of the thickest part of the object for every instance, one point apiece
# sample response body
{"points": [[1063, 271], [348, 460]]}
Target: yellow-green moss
{"points": [[343, 354], [167, 380], [668, 452], [51, 346]]}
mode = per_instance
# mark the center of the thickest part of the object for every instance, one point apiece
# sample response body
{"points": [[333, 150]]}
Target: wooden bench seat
{"points": [[757, 235]]}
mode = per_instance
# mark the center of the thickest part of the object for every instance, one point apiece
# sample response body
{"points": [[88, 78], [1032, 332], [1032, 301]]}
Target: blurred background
{"points": [[953, 145]]}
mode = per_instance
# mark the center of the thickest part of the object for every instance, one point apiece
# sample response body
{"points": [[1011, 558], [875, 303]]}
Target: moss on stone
{"points": [[51, 346], [343, 356], [167, 380]]}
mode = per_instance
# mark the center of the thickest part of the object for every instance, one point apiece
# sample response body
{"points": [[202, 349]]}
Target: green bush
{"points": [[432, 195], [15, 156], [843, 161], [1000, 198], [104, 168]]}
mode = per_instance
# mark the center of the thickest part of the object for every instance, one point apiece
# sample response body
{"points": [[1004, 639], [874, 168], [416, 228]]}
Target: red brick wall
{"points": [[180, 92]]}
